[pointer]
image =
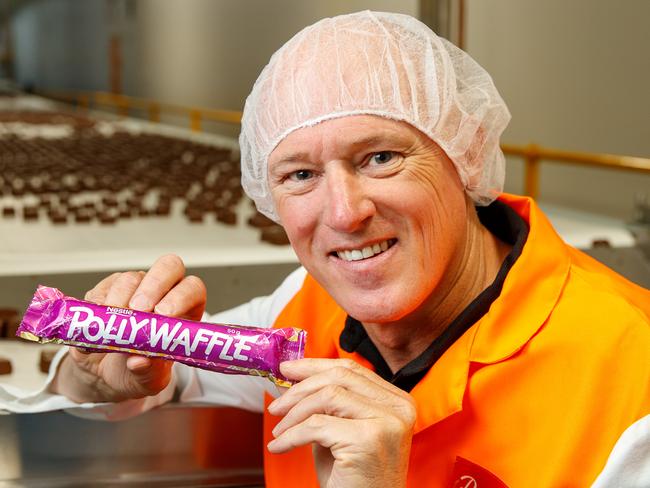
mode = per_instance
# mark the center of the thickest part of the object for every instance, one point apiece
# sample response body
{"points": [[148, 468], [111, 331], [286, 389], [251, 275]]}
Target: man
{"points": [[446, 341]]}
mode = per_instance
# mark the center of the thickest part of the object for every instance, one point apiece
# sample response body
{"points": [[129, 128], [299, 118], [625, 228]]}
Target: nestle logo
{"points": [[119, 311]]}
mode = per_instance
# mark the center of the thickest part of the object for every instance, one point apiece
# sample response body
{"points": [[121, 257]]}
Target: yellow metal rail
{"points": [[123, 104], [532, 154]]}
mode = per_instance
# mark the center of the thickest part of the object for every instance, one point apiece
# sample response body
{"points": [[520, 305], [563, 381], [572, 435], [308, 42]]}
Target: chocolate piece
{"points": [[260, 220], [144, 212], [232, 349], [226, 216], [275, 235], [82, 217], [58, 218], [602, 243], [163, 209], [134, 202], [109, 201], [89, 183], [8, 212], [107, 219], [45, 360], [194, 216], [11, 327], [9, 320], [18, 190], [30, 213], [5, 366]]}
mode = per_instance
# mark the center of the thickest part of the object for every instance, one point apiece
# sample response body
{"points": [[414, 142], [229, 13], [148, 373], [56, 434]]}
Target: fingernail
{"points": [[135, 363], [285, 366], [140, 302], [270, 445], [274, 406], [163, 309]]}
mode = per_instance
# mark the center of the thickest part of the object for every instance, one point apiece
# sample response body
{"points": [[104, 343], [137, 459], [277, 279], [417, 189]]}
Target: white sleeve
{"points": [[628, 465], [188, 385]]}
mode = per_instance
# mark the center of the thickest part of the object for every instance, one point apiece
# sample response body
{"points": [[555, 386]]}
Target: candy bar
{"points": [[233, 349]]}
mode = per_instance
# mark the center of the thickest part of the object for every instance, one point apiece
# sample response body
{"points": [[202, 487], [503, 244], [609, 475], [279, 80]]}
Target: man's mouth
{"points": [[366, 252]]}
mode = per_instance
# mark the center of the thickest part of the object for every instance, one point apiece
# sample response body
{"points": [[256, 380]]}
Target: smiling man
{"points": [[452, 335]]}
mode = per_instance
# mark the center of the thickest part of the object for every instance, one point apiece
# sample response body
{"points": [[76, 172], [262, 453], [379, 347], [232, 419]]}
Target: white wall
{"points": [[575, 75], [61, 44], [206, 52]]}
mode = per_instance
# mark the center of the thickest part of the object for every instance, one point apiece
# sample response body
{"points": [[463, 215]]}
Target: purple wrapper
{"points": [[233, 349]]}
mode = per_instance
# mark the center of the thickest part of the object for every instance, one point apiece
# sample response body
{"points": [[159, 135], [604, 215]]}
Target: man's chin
{"points": [[374, 311]]}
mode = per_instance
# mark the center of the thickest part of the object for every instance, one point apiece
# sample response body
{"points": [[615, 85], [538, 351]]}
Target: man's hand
{"points": [[111, 377], [359, 425]]}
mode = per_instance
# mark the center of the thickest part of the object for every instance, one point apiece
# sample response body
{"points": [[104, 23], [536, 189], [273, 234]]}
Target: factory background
{"points": [[574, 75]]}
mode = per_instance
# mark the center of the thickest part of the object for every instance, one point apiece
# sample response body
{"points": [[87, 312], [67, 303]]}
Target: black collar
{"points": [[505, 224]]}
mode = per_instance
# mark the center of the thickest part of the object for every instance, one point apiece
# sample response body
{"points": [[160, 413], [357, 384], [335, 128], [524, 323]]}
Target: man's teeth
{"points": [[366, 252]]}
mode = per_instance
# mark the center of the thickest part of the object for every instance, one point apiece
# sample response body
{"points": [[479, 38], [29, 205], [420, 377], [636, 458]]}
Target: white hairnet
{"points": [[384, 64]]}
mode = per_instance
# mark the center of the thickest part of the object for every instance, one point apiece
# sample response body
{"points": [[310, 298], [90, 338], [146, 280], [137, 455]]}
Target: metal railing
{"points": [[123, 105], [532, 154]]}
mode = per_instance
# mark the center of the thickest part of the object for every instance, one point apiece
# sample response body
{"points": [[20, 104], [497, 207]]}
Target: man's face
{"points": [[374, 210]]}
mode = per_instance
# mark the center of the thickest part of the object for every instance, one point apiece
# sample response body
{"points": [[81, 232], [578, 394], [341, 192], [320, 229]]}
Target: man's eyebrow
{"points": [[355, 144], [294, 157], [368, 141]]}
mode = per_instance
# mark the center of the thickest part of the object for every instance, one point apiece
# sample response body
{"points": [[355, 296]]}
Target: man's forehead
{"points": [[346, 133]]}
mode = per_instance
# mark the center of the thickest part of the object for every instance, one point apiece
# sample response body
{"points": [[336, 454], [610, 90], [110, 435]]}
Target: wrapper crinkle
{"points": [[233, 349]]}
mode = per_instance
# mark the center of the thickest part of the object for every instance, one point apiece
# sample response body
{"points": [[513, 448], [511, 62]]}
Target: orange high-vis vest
{"points": [[537, 392]]}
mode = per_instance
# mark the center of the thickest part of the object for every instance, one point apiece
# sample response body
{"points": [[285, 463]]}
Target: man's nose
{"points": [[348, 206]]}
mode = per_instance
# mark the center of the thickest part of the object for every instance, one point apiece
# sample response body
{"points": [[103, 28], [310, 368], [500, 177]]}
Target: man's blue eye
{"points": [[382, 157], [302, 174]]}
